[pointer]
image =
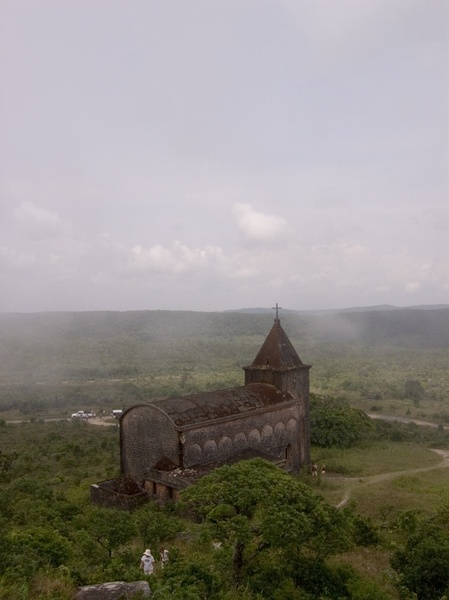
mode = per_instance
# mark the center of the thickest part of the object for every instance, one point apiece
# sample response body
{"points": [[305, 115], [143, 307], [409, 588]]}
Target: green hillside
{"points": [[53, 346], [390, 489], [123, 356]]}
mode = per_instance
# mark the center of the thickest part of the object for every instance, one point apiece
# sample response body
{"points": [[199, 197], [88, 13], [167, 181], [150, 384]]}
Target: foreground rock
{"points": [[114, 590]]}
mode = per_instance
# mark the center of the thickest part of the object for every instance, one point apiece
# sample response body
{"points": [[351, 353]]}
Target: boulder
{"points": [[114, 590]]}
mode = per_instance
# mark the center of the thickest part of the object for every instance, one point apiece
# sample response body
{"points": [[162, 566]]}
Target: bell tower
{"points": [[277, 363]]}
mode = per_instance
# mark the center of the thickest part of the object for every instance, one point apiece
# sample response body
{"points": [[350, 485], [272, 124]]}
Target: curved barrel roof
{"points": [[208, 406]]}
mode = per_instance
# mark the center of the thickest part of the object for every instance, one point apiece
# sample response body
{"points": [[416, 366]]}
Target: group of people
{"points": [[315, 470], [147, 561]]}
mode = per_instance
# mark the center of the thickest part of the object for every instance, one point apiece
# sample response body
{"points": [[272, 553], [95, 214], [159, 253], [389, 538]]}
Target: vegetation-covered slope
{"points": [[91, 359], [54, 346], [53, 540]]}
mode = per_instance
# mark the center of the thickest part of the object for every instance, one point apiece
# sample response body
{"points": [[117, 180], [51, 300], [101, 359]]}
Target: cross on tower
{"points": [[277, 308]]}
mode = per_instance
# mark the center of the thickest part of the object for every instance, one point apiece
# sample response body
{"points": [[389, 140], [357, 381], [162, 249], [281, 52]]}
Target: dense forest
{"points": [[49, 346], [390, 360], [373, 526]]}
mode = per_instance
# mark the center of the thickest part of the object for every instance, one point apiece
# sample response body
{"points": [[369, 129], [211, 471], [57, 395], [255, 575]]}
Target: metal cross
{"points": [[278, 308]]}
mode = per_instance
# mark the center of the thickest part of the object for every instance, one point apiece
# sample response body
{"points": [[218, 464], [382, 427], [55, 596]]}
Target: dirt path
{"points": [[102, 422], [393, 418], [96, 421], [388, 476]]}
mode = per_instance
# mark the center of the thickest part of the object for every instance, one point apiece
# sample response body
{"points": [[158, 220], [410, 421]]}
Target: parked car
{"points": [[81, 414], [117, 413]]}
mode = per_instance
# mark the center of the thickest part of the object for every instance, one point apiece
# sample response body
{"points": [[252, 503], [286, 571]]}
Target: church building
{"points": [[167, 444]]}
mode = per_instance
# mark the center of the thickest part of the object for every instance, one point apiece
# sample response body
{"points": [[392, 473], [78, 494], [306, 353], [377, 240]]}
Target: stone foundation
{"points": [[104, 494]]}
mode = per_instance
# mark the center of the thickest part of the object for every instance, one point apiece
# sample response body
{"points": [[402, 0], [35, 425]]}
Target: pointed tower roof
{"points": [[277, 351]]}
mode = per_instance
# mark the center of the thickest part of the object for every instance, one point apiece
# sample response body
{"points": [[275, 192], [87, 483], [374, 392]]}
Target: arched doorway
{"points": [[288, 455]]}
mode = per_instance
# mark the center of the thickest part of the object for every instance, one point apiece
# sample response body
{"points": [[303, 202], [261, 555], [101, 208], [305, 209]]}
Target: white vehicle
{"points": [[117, 413], [81, 415]]}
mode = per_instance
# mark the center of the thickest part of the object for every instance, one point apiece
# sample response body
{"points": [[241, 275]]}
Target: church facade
{"points": [[165, 445]]}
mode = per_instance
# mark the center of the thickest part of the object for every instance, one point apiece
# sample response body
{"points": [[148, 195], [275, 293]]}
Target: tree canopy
{"points": [[256, 509], [422, 561], [335, 423]]}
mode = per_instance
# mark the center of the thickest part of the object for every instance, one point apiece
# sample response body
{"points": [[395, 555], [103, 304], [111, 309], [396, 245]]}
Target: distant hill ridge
{"points": [[260, 310], [43, 346]]}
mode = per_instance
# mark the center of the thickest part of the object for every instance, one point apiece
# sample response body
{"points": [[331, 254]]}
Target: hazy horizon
{"points": [[203, 156], [252, 309]]}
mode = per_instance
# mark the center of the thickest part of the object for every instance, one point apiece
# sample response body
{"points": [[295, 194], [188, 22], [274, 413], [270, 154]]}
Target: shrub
{"points": [[335, 423]]}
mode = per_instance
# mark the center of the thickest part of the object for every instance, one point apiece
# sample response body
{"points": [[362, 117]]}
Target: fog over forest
{"points": [[52, 346]]}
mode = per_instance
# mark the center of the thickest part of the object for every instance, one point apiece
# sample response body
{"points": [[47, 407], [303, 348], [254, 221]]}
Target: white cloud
{"points": [[177, 259], [35, 223], [257, 225], [156, 257]]}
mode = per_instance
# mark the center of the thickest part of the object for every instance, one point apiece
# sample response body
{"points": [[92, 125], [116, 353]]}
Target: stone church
{"points": [[167, 444]]}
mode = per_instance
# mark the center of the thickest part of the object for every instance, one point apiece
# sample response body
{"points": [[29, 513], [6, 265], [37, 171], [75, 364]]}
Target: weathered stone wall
{"points": [[165, 492], [104, 495], [269, 432], [146, 437], [296, 382], [149, 437]]}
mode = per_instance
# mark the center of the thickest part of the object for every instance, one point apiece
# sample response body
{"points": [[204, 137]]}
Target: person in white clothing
{"points": [[147, 562], [164, 557]]}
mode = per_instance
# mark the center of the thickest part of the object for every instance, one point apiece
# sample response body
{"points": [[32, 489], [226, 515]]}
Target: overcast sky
{"points": [[219, 154]]}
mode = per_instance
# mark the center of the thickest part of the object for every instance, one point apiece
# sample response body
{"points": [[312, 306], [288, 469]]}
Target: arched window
{"points": [[193, 454], [267, 431], [240, 441], [254, 437], [225, 445], [210, 449]]}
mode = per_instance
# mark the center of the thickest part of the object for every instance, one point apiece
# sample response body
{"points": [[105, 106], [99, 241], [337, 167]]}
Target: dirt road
{"points": [[388, 476], [96, 421]]}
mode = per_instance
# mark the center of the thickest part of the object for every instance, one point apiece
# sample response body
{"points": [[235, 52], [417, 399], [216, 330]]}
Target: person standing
{"points": [[164, 557], [147, 562]]}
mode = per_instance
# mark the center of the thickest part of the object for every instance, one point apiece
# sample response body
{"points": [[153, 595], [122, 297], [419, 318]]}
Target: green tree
{"points": [[155, 524], [185, 578], [335, 423], [422, 562], [413, 389], [6, 462], [253, 507], [33, 549], [109, 528]]}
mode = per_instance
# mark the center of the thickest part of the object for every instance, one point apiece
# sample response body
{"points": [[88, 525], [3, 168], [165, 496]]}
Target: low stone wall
{"points": [[104, 494]]}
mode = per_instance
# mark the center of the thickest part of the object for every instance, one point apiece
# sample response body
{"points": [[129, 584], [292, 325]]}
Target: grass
{"points": [[374, 458], [372, 563], [424, 492], [371, 476]]}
